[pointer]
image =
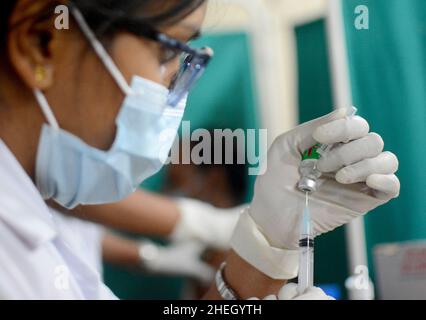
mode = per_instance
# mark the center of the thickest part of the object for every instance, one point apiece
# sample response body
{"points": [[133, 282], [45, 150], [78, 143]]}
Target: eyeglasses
{"points": [[194, 61]]}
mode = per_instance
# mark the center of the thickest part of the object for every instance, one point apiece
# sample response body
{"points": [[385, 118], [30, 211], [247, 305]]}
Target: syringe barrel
{"points": [[306, 265]]}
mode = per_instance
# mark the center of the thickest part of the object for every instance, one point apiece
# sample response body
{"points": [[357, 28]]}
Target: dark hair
{"points": [[101, 14]]}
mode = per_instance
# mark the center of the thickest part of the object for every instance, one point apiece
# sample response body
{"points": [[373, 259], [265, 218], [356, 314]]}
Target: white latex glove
{"points": [[289, 292], [359, 178], [182, 259], [203, 222]]}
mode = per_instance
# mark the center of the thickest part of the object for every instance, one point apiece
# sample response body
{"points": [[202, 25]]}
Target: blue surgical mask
{"points": [[71, 172]]}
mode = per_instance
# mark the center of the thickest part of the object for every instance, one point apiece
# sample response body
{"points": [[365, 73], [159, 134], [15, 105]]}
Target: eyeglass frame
{"points": [[198, 58], [143, 29]]}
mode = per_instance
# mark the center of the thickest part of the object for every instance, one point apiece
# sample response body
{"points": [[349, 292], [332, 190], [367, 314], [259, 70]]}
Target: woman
{"points": [[86, 116]]}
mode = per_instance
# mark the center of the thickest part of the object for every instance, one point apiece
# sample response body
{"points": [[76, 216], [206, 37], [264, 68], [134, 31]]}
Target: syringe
{"points": [[306, 252], [308, 184]]}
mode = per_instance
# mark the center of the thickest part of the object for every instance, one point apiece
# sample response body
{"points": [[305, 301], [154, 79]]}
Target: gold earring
{"points": [[40, 73]]}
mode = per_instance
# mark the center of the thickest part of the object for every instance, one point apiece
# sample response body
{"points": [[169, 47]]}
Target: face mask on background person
{"points": [[71, 172]]}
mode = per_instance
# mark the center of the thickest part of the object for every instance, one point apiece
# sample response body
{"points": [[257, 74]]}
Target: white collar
{"points": [[21, 205]]}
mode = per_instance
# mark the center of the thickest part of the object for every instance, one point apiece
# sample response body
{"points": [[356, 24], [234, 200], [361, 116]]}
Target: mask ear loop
{"points": [[102, 53], [163, 71], [45, 108]]}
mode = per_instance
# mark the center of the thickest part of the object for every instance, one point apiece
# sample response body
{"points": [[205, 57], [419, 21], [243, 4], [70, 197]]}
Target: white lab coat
{"points": [[35, 260], [84, 237]]}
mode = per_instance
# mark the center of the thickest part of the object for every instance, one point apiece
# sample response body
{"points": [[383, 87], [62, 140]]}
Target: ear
{"points": [[29, 42]]}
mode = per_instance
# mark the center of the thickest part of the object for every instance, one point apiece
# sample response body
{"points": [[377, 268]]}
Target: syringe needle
{"points": [[306, 199]]}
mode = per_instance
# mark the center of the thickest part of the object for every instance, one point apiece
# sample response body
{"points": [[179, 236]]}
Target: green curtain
{"points": [[225, 97], [388, 73]]}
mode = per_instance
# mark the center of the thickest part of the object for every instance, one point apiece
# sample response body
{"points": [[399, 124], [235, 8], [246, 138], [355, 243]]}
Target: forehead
{"points": [[190, 24], [197, 17]]}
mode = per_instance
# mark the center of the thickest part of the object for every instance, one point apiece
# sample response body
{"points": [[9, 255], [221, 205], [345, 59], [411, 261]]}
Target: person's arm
{"points": [[182, 259], [141, 213], [178, 219], [120, 251], [239, 275], [245, 280]]}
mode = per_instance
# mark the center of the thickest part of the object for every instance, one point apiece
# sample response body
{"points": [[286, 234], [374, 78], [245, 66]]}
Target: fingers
{"points": [[288, 292], [306, 130], [361, 159], [368, 146], [270, 297], [387, 186], [342, 130], [314, 294], [191, 248], [202, 272], [385, 163], [332, 116]]}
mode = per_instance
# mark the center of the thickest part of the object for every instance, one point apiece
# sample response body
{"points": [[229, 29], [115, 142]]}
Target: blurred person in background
{"points": [[221, 185]]}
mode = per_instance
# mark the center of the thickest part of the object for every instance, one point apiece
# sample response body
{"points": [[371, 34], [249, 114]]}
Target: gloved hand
{"points": [[183, 259], [358, 178], [203, 222], [289, 292]]}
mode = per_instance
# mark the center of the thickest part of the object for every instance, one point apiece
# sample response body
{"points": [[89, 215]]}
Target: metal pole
{"points": [[342, 95]]}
